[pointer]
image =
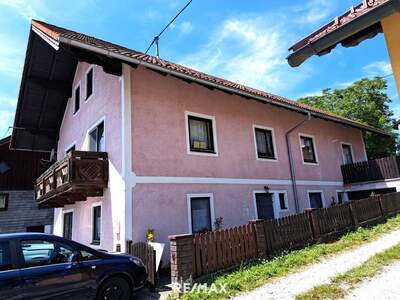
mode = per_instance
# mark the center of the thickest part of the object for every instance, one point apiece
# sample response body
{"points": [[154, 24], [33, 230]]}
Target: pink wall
{"points": [[105, 103], [159, 108]]}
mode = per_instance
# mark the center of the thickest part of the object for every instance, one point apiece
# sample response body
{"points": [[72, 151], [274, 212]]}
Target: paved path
{"points": [[384, 286], [297, 283]]}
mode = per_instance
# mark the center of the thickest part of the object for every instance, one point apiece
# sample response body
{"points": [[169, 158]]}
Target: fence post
{"points": [[261, 239], [312, 217], [181, 248], [380, 205], [353, 213]]}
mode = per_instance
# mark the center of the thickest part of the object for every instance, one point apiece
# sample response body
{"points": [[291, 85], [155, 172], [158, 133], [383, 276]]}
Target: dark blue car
{"points": [[41, 266]]}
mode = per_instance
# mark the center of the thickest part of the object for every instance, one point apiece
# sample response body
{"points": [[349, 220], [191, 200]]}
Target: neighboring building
{"points": [[359, 23], [19, 210], [182, 147]]}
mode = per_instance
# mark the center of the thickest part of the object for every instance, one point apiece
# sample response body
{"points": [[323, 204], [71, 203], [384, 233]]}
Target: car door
{"points": [[48, 272], [10, 279]]}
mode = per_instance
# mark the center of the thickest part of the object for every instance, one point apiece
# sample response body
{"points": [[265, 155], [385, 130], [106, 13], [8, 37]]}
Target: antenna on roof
{"points": [[156, 39]]}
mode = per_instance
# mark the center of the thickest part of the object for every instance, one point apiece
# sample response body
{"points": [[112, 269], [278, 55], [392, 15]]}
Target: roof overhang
{"points": [[349, 34]]}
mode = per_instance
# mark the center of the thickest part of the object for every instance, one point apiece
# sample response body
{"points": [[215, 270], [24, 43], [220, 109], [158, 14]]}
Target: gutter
{"points": [[132, 60], [374, 16], [291, 162]]}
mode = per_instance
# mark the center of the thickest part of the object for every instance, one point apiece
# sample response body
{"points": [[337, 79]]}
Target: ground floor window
{"points": [[96, 225], [283, 201], [200, 212], [341, 197], [67, 225], [316, 200]]}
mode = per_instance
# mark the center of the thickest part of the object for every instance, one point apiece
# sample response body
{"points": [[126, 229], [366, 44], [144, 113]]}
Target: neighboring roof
{"points": [[68, 46], [5, 140], [355, 25]]}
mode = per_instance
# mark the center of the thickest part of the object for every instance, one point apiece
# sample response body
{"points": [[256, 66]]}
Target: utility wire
{"points": [[157, 37]]}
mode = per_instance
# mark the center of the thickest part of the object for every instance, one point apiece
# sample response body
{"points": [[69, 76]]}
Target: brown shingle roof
{"points": [[349, 16], [60, 34]]}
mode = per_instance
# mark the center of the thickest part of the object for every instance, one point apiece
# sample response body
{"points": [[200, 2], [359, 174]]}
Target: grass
{"points": [[251, 276], [344, 283]]}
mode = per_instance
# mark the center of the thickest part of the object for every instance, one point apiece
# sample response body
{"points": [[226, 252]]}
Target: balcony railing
{"points": [[372, 170], [78, 176]]}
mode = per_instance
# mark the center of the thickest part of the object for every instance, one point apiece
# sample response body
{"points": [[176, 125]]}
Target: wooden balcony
{"points": [[372, 170], [78, 176]]}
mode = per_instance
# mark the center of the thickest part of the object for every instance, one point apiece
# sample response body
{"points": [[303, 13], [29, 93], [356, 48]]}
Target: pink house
{"points": [[184, 148]]}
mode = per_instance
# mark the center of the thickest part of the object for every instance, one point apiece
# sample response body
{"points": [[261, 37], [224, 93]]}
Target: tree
{"points": [[365, 101]]}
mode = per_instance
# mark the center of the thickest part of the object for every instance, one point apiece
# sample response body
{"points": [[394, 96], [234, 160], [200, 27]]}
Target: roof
{"points": [[352, 27], [70, 46], [5, 140]]}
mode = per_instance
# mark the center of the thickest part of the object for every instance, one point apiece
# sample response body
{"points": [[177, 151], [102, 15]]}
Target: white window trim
{"points": [[275, 201], [91, 67], [345, 196], [322, 197], [189, 208], [96, 204], [69, 147], [351, 151], [91, 128], [315, 149], [62, 221], [214, 128], [275, 159], [74, 113]]}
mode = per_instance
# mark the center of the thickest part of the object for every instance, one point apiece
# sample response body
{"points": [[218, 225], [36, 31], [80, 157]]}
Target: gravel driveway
{"points": [[384, 286], [297, 283]]}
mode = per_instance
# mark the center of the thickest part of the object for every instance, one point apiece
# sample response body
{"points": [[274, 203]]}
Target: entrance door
{"points": [[265, 206]]}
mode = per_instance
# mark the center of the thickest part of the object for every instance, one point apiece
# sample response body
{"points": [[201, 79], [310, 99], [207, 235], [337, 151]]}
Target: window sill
{"points": [[273, 159], [310, 163], [95, 243], [202, 153]]}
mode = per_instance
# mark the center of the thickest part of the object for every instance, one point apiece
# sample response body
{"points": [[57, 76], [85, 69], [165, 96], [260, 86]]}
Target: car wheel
{"points": [[114, 289]]}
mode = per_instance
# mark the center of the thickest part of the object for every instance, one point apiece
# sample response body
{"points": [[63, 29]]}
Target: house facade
{"points": [[186, 152], [19, 211]]}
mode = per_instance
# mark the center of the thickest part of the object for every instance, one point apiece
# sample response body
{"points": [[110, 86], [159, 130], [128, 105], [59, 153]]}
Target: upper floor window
{"points": [[96, 138], [347, 154], [89, 83], [3, 202], [77, 99], [201, 134], [308, 149], [264, 143]]}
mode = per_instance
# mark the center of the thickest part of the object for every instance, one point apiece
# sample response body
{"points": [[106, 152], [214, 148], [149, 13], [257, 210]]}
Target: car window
{"points": [[87, 255], [5, 257], [42, 252]]}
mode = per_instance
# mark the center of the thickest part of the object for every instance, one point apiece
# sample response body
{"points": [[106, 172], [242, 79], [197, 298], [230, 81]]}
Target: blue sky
{"points": [[232, 39]]}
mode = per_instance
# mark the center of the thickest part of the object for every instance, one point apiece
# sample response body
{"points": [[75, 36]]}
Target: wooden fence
{"points": [[220, 249], [148, 255], [193, 256]]}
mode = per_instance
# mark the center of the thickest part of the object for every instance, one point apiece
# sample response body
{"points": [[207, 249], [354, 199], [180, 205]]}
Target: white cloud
{"points": [[251, 51], [25, 8], [12, 54], [378, 68], [314, 11], [7, 101], [186, 27]]}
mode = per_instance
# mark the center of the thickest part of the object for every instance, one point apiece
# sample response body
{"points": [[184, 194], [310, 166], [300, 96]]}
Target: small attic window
{"points": [[89, 83]]}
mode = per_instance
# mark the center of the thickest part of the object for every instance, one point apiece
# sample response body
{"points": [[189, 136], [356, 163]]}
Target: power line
{"points": [[157, 37]]}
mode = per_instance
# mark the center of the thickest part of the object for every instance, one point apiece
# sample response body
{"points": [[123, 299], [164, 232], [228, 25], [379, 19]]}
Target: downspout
{"points": [[291, 164]]}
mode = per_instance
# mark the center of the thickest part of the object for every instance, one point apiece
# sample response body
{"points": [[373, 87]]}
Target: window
{"points": [[201, 136], [3, 202], [315, 199], [96, 139], [283, 201], [265, 206], [200, 213], [308, 149], [341, 197], [70, 149], [67, 225], [42, 252], [264, 143], [87, 255], [89, 83], [347, 154], [77, 99], [96, 226], [5, 257]]}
